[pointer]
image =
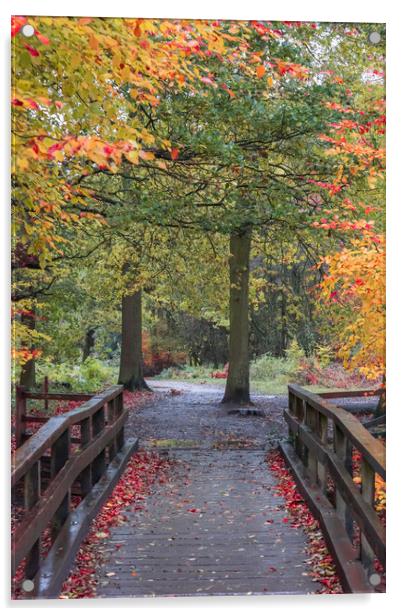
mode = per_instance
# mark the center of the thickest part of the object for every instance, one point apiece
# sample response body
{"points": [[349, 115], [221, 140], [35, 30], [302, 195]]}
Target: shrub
{"points": [[324, 355], [267, 367], [89, 376], [280, 369], [294, 357]]}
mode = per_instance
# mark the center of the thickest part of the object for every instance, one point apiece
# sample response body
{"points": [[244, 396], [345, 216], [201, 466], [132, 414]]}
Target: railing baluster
{"points": [[111, 417], [311, 421], [46, 391], [31, 497], [20, 413], [323, 436], [120, 439], [99, 464], [343, 451], [299, 412], [85, 477], [59, 456], [292, 411], [368, 491]]}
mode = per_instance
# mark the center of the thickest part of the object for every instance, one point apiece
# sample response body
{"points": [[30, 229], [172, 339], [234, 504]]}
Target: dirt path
{"points": [[217, 526], [194, 414]]}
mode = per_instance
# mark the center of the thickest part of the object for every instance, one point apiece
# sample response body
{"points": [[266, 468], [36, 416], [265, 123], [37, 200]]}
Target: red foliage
{"points": [[16, 24], [221, 374], [156, 360], [142, 470], [31, 50], [133, 399], [320, 561], [333, 375], [174, 153]]}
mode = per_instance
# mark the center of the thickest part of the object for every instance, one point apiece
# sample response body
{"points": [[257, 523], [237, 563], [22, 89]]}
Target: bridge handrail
{"points": [[323, 437], [22, 395], [47, 466], [353, 429]]}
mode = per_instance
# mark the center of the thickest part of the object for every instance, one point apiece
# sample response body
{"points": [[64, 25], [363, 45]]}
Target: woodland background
{"points": [[167, 171]]}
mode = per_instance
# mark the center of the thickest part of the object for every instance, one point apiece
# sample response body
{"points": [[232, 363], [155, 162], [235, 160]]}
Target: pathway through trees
{"points": [[217, 526]]}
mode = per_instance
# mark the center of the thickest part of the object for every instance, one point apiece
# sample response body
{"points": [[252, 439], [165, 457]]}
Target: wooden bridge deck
{"points": [[216, 528]]}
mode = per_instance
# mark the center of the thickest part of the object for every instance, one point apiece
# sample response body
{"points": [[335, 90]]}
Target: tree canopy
{"points": [[143, 148]]}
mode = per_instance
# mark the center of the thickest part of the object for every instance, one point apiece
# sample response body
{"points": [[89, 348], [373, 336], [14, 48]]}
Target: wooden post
{"points": [[59, 456], [20, 413], [343, 451], [291, 406], [85, 476], [300, 413], [46, 391], [368, 490], [111, 417], [323, 436], [99, 463], [120, 439], [31, 497], [311, 422]]}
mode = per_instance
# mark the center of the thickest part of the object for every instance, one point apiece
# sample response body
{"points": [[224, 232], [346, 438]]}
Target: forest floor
{"points": [[215, 523]]}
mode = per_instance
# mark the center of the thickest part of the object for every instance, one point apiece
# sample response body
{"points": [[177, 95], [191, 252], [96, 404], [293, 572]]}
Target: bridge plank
{"points": [[226, 546]]}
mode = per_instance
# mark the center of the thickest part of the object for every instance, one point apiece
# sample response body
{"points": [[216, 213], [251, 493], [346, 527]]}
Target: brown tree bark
{"points": [[89, 343], [238, 381], [131, 364]]}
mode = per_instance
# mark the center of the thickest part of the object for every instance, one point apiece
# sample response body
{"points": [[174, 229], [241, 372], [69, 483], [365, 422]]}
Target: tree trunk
{"points": [[131, 366], [284, 341], [238, 381], [89, 343], [27, 376]]}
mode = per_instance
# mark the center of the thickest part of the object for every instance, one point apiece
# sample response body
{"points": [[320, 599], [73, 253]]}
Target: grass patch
{"points": [[172, 443]]}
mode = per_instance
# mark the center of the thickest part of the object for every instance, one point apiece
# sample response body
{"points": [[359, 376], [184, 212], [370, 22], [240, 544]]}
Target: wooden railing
{"points": [[47, 468], [22, 416], [324, 437], [350, 393]]}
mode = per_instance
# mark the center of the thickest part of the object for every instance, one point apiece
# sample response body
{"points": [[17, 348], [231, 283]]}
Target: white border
{"points": [[342, 10], [308, 10]]}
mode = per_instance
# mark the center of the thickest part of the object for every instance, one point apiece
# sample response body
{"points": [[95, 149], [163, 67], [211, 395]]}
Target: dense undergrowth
{"points": [[268, 374], [271, 375]]}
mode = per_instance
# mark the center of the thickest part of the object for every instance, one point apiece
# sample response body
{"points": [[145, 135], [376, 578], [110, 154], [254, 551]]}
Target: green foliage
{"points": [[267, 367], [294, 356], [89, 376], [324, 355]]}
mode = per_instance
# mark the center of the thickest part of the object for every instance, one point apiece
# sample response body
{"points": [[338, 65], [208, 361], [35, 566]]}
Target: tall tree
{"points": [[238, 381]]}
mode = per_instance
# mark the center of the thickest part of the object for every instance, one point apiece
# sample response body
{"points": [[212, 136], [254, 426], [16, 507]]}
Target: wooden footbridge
{"points": [[64, 472]]}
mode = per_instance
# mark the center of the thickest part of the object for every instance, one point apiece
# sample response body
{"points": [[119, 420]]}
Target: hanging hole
{"points": [[374, 37], [28, 30]]}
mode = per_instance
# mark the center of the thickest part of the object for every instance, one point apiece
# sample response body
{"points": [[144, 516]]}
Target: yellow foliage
{"points": [[354, 288]]}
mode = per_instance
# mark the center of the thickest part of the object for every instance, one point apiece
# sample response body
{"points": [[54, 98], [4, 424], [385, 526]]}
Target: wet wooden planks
{"points": [[217, 527]]}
